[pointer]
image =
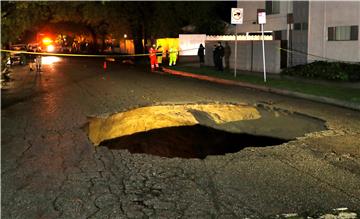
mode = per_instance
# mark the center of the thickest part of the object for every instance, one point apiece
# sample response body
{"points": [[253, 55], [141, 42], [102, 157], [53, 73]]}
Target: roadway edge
{"points": [[320, 99]]}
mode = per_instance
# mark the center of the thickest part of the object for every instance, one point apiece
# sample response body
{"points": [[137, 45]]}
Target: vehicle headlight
{"points": [[50, 48]]}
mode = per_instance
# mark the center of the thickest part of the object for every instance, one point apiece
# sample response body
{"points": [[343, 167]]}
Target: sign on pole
{"points": [[262, 17], [262, 21], [237, 16]]}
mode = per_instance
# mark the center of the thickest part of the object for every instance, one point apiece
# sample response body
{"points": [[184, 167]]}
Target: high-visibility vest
{"points": [[173, 52], [159, 51], [152, 52]]}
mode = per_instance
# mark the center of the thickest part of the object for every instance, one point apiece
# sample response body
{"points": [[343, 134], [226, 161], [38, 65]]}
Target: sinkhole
{"points": [[195, 141], [199, 130]]}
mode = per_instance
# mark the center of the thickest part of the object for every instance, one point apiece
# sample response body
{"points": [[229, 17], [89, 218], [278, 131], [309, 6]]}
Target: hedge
{"points": [[326, 70]]}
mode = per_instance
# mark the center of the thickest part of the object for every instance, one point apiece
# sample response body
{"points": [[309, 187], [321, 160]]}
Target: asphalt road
{"points": [[50, 169]]}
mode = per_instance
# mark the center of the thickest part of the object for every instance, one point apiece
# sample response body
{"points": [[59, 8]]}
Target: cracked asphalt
{"points": [[50, 169]]}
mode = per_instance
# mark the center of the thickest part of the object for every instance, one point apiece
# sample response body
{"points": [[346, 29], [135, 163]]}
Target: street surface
{"points": [[50, 168]]}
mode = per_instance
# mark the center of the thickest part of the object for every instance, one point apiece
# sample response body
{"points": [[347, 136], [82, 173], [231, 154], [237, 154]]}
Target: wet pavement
{"points": [[50, 168]]}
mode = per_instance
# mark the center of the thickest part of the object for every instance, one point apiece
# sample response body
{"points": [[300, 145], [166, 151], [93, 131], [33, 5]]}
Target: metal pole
{"points": [[235, 61], [263, 49], [252, 55]]}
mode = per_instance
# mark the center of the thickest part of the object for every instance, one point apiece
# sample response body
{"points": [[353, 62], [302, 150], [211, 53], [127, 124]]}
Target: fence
{"points": [[239, 37], [249, 55]]}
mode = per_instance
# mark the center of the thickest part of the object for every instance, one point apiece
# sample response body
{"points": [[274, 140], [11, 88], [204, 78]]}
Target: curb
{"points": [[320, 99]]}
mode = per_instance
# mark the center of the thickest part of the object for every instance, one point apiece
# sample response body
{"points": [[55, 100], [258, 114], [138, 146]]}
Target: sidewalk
{"points": [[341, 94]]}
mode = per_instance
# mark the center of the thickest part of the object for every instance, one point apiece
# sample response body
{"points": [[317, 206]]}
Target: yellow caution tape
{"points": [[79, 55], [65, 54]]}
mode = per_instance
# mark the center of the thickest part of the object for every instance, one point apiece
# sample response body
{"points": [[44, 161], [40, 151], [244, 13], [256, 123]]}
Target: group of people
{"points": [[156, 55], [219, 52]]}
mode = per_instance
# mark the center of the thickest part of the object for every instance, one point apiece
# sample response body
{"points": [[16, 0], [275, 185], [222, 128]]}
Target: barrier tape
{"points": [[81, 55], [308, 54], [138, 55]]}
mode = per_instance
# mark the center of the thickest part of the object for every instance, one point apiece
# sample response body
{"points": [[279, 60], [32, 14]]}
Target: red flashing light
{"points": [[47, 41]]}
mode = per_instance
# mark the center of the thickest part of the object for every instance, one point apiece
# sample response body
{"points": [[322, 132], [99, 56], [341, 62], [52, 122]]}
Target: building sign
{"points": [[237, 15], [262, 17]]}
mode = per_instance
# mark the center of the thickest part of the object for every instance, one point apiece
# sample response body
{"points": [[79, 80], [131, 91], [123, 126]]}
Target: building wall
{"points": [[273, 22], [330, 14], [319, 15], [249, 55], [300, 37]]}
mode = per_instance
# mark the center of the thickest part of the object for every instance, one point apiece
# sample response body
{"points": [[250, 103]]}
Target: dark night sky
{"points": [[224, 9]]}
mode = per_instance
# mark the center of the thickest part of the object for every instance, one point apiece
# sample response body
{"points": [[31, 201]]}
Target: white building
{"points": [[313, 30]]}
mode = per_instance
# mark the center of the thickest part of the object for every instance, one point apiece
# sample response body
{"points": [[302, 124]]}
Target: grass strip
{"points": [[311, 87]]}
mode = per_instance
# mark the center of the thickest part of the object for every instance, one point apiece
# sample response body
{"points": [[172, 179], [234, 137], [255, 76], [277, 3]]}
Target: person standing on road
{"points": [[219, 56], [215, 54], [153, 59], [201, 54], [38, 60], [31, 59], [173, 55], [23, 57], [159, 54]]}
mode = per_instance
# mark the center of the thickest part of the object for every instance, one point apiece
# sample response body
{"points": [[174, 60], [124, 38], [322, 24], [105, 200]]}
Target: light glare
{"points": [[50, 48], [48, 60]]}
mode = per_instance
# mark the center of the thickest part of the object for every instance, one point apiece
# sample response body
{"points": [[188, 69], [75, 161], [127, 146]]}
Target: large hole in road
{"points": [[189, 142], [199, 130]]}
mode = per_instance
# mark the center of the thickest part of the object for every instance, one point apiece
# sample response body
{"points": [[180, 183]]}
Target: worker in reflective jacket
{"points": [[159, 54], [153, 59], [173, 55]]}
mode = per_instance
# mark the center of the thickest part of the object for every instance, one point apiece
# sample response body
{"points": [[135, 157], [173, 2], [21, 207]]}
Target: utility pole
{"points": [[236, 31], [237, 15], [262, 21], [263, 50]]}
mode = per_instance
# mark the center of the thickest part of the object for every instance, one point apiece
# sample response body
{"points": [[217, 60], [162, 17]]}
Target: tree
{"points": [[17, 17], [87, 14], [205, 18], [140, 20]]}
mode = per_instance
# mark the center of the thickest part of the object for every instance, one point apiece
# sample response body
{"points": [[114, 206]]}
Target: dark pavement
{"points": [[50, 169]]}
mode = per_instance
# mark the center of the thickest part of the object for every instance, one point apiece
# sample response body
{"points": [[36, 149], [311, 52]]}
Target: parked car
{"points": [[16, 57]]}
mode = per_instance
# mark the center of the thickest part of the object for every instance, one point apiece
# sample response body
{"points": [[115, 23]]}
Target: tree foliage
{"points": [[17, 17], [140, 20]]}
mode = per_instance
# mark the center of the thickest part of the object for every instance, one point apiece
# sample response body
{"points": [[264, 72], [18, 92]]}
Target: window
{"points": [[297, 26], [277, 35], [354, 32], [272, 7], [343, 33], [300, 26]]}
